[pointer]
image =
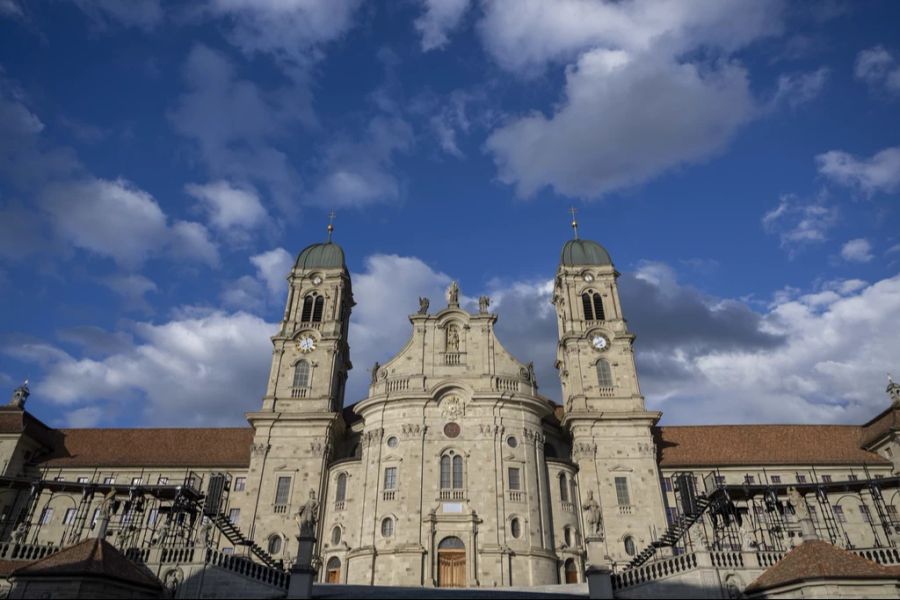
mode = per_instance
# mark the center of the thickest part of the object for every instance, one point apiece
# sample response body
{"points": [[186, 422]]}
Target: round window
{"points": [[513, 442], [336, 536], [451, 430], [387, 527], [515, 528], [393, 442]]}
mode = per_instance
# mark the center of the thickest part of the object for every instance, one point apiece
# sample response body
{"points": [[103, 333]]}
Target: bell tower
{"points": [[300, 419], [612, 440]]}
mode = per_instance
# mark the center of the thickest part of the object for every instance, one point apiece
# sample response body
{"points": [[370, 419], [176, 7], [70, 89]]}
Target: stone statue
{"points": [[160, 538], [423, 305], [453, 294], [893, 389], [20, 532], [375, 368], [483, 303], [108, 505], [204, 535], [799, 504], [172, 581], [452, 340], [531, 376], [307, 515], [748, 540], [20, 395], [594, 516]]}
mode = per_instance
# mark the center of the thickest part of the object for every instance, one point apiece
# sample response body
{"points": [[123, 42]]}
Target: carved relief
{"points": [[452, 344], [412, 430], [452, 408], [495, 430], [372, 437], [582, 450], [260, 450]]}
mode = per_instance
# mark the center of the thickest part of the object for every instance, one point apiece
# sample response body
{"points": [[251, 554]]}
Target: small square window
{"points": [[667, 484], [109, 480], [826, 478], [801, 478], [162, 481], [776, 478], [82, 480], [137, 481], [69, 517], [240, 483], [234, 515]]}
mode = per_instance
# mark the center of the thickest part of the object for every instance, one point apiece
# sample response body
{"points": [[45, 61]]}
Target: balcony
{"points": [[299, 392], [453, 495], [515, 496], [625, 509], [568, 507], [339, 505], [606, 392], [397, 385], [389, 494], [454, 358], [280, 509]]}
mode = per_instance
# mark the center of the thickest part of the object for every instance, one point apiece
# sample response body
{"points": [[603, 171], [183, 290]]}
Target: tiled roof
{"points": [[724, 445], [92, 557], [818, 560], [881, 425], [224, 447]]}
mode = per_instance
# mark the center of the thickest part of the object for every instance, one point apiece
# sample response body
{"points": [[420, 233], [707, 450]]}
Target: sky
{"points": [[162, 164]]}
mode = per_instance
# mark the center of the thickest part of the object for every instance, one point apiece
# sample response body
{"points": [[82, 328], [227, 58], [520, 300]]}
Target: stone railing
{"points": [[299, 392], [339, 504], [625, 509], [16, 551], [138, 555], [183, 554], [568, 507], [389, 494], [248, 568], [280, 508], [397, 385], [883, 556], [515, 496], [606, 392], [453, 495], [768, 558], [454, 358], [654, 570], [734, 560], [506, 384]]}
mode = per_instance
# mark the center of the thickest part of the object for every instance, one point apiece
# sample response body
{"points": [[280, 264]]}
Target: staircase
{"points": [[673, 533], [234, 535]]}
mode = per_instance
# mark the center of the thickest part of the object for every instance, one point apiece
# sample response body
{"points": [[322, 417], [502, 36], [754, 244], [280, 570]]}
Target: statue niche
{"points": [[452, 344]]}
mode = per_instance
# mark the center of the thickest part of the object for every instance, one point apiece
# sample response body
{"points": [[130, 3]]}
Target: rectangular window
{"points": [[622, 491], [227, 550], [46, 516], [514, 483], [283, 491], [240, 483], [776, 478], [879, 477], [749, 479], [59, 478], [109, 480], [69, 517], [234, 515], [95, 517], [826, 478], [852, 477], [839, 514], [864, 513], [813, 514], [720, 480], [801, 478], [390, 478], [162, 481], [152, 517], [82, 480], [667, 483], [137, 480], [671, 514]]}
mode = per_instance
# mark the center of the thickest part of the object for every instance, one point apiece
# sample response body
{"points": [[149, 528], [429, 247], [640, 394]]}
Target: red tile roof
{"points": [[224, 447], [92, 557], [726, 445], [818, 560]]}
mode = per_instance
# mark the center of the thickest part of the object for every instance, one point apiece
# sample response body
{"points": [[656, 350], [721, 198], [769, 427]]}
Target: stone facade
{"points": [[454, 469]]}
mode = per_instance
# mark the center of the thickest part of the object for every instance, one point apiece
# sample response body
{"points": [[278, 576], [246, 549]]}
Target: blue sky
{"points": [[161, 163]]}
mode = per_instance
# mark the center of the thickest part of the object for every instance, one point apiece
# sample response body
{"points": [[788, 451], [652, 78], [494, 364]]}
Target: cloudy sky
{"points": [[161, 163]]}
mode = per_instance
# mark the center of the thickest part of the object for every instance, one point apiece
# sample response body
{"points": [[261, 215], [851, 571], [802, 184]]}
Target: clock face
{"points": [[306, 344], [317, 280], [588, 277], [599, 342]]}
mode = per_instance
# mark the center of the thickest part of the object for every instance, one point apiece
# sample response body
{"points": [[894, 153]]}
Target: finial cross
{"points": [[331, 217], [574, 222]]}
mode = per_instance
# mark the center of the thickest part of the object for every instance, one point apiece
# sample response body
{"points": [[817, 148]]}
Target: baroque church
{"points": [[454, 471]]}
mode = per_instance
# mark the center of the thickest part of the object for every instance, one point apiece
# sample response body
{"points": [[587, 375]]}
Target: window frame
{"points": [[622, 491]]}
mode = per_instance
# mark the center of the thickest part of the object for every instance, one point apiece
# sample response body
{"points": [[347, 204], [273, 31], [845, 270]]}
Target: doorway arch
{"points": [[451, 562], [333, 570], [571, 571]]}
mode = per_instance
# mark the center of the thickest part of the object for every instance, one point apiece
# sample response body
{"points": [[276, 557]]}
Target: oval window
{"points": [[629, 546], [387, 527], [393, 442], [512, 442], [515, 528], [336, 536]]}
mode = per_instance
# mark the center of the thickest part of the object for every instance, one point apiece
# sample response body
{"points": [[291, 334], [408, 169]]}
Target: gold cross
{"points": [[331, 217], [574, 222]]}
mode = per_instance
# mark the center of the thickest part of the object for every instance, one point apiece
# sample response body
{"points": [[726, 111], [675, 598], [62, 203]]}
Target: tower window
{"points": [[390, 478], [341, 493], [306, 315], [563, 488], [598, 308], [622, 495], [282, 491], [514, 483], [336, 536], [515, 528], [451, 472], [588, 307], [301, 374], [604, 374], [275, 543], [317, 309]]}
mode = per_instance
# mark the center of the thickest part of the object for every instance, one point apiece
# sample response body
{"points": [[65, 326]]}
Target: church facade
{"points": [[454, 470]]}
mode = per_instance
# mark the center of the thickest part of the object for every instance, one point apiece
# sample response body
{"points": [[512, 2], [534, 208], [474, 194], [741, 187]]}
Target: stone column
{"points": [[302, 573], [599, 581]]}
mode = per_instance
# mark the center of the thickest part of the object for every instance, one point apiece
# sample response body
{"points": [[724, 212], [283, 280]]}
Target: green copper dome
{"points": [[321, 256], [584, 252]]}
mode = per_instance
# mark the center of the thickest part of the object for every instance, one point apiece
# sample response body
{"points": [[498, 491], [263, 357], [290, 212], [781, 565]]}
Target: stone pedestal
{"points": [[302, 573], [599, 579], [596, 550]]}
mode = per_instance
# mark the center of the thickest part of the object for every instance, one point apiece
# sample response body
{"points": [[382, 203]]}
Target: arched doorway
{"points": [[451, 563], [333, 570], [571, 571]]}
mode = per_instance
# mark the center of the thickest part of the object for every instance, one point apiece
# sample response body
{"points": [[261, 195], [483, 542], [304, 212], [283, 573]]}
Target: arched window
{"points": [[573, 493], [451, 471], [563, 488], [598, 308], [515, 527], [604, 374], [387, 527], [317, 309], [629, 545], [341, 493], [275, 544], [445, 472], [301, 374], [588, 307], [336, 536], [457, 472], [306, 314], [567, 536], [451, 543]]}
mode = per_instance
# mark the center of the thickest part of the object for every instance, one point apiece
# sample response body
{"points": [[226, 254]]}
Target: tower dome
{"points": [[327, 255], [584, 252]]}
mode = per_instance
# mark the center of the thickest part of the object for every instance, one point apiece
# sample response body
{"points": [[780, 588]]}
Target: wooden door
{"points": [[571, 576], [333, 575], [452, 568]]}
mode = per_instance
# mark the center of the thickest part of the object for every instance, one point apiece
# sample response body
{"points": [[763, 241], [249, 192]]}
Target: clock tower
{"points": [[604, 412], [300, 418]]}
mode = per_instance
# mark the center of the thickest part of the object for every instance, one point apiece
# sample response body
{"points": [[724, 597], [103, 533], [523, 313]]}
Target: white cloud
{"points": [[359, 172], [799, 88], [880, 173], [273, 267], [230, 208], [143, 14], [603, 138], [878, 68], [195, 370], [9, 8], [858, 250], [798, 223], [132, 288], [191, 240], [439, 19]]}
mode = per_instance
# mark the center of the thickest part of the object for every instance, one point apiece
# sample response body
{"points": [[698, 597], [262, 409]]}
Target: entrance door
{"points": [[451, 563], [333, 570], [571, 571]]}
